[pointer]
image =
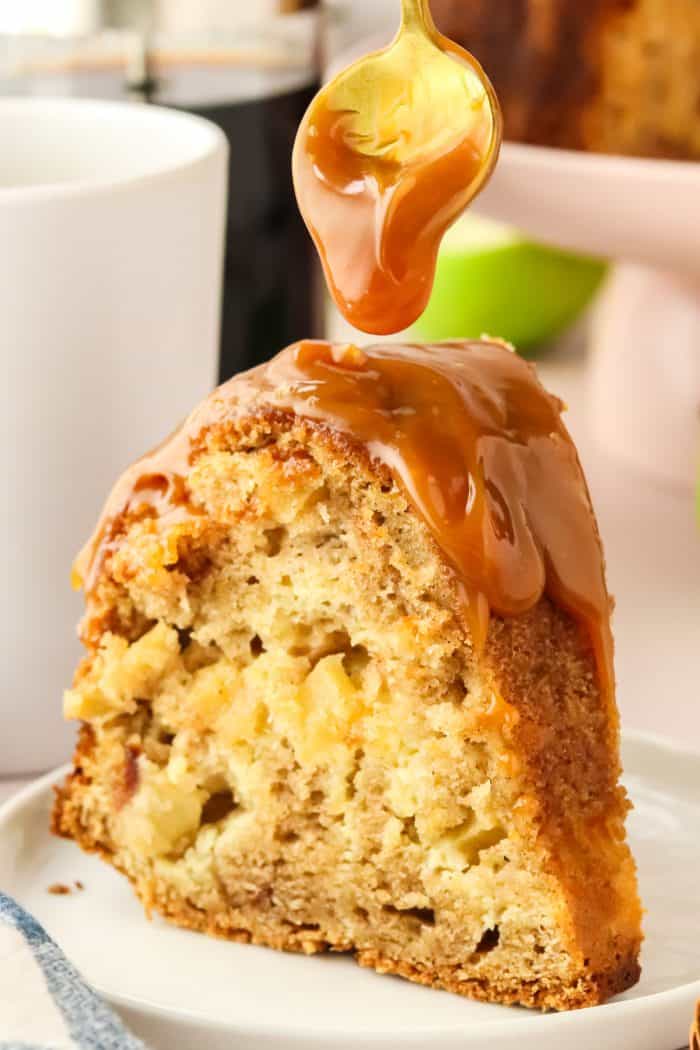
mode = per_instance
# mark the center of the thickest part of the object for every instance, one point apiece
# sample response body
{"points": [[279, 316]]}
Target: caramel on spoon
{"points": [[386, 158]]}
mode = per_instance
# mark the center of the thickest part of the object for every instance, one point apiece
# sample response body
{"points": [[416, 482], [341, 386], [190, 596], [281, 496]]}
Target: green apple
{"points": [[492, 281]]}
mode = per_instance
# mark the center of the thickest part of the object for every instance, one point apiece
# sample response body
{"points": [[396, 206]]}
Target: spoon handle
{"points": [[415, 14]]}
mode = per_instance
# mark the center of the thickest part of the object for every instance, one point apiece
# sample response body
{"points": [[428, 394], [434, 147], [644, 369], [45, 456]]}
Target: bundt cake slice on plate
{"points": [[349, 682]]}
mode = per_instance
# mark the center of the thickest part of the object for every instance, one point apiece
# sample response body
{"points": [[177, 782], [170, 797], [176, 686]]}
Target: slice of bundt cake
{"points": [[349, 682]]}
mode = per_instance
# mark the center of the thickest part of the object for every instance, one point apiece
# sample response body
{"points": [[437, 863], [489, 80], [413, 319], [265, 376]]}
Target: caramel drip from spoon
{"points": [[388, 155]]}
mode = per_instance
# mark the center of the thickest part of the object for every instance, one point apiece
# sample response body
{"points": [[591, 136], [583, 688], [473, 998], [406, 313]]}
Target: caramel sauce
{"points": [[473, 439], [386, 158], [378, 225]]}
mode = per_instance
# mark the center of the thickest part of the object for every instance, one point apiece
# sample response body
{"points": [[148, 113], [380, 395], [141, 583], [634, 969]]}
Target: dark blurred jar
{"points": [[250, 67]]}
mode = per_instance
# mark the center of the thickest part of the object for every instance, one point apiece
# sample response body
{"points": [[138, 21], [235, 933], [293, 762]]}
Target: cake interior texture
{"points": [[288, 737]]}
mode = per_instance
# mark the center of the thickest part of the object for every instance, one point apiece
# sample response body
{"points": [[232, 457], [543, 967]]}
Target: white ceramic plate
{"points": [[180, 989]]}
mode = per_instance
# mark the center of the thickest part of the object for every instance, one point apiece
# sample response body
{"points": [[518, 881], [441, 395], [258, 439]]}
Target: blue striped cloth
{"points": [[44, 1002]]}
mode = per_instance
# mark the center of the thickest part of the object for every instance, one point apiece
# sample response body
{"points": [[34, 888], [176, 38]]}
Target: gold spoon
{"points": [[387, 156]]}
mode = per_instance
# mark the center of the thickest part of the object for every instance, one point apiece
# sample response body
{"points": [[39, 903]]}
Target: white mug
{"points": [[111, 249]]}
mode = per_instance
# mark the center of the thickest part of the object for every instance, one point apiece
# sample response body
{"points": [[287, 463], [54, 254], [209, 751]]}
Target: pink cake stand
{"points": [[645, 360]]}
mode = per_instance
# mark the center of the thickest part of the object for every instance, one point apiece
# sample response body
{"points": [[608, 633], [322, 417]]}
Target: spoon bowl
{"points": [[388, 155], [419, 96]]}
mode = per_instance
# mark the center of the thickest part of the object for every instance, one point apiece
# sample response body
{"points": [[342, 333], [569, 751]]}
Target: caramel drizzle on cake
{"points": [[466, 429]]}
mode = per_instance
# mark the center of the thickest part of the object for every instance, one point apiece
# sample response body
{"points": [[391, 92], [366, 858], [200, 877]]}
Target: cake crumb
{"points": [[59, 889], [78, 885]]}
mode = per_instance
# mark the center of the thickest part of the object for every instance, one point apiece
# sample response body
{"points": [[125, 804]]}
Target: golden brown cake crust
{"points": [[614, 76], [555, 737]]}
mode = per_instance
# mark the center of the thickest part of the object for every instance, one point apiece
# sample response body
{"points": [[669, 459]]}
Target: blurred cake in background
{"points": [[613, 76]]}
